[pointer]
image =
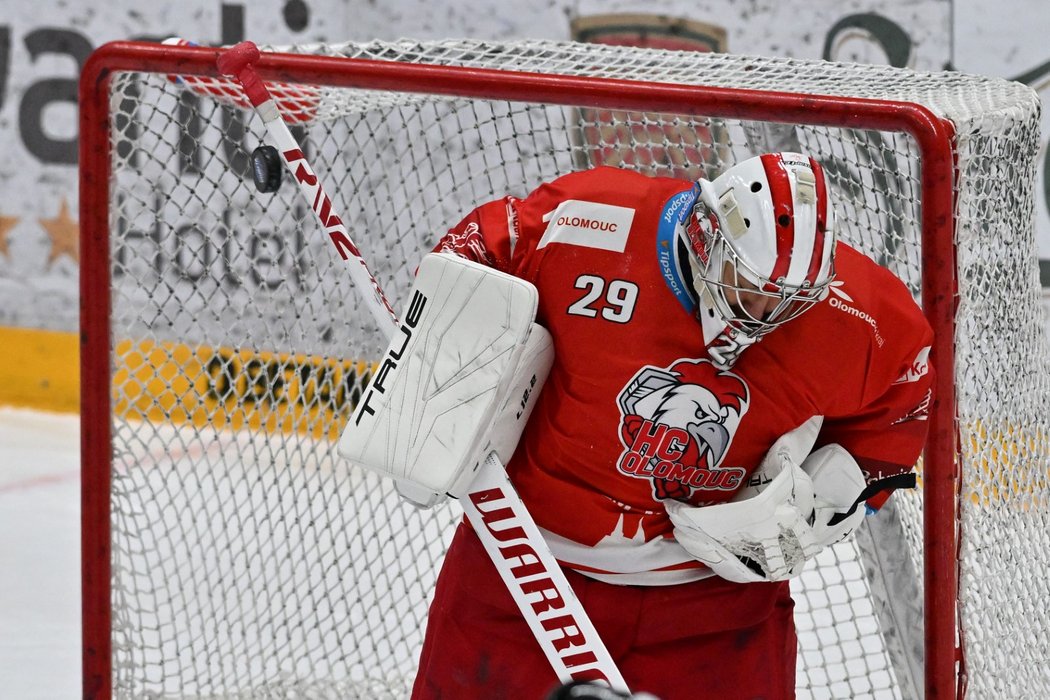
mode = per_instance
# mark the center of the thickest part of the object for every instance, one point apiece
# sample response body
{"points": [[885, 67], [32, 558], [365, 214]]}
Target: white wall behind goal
{"points": [[43, 44]]}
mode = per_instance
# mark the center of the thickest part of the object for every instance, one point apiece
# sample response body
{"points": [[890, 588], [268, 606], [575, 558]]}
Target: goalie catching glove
{"points": [[803, 502], [458, 381]]}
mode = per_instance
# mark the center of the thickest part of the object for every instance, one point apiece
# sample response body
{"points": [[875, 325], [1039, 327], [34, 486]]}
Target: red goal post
{"points": [[119, 372]]}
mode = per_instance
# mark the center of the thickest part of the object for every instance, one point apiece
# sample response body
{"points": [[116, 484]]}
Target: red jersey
{"points": [[635, 411]]}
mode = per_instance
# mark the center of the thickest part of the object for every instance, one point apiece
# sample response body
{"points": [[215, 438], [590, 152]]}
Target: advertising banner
{"points": [[44, 44]]}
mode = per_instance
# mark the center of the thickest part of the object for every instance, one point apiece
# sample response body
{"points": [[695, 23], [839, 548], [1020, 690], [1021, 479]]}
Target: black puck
{"points": [[266, 169]]}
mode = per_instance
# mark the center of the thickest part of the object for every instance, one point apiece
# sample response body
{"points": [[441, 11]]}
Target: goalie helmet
{"points": [[761, 242]]}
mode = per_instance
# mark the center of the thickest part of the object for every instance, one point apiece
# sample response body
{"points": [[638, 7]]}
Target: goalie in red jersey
{"points": [[732, 389]]}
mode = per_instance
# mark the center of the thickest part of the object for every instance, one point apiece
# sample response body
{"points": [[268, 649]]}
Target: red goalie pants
{"points": [[707, 639]]}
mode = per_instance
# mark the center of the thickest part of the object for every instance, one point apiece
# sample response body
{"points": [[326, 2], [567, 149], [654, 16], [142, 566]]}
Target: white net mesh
{"points": [[248, 561]]}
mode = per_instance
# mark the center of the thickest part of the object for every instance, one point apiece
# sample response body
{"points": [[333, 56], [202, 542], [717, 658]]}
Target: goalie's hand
{"points": [[838, 484], [771, 534]]}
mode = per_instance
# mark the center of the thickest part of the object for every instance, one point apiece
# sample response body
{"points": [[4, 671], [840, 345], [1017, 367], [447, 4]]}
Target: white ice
{"points": [[39, 555], [40, 564]]}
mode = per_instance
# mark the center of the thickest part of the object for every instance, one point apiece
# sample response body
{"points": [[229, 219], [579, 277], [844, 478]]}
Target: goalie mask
{"points": [[761, 246]]}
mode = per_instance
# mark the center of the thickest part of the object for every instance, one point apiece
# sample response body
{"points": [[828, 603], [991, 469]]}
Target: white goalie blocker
{"points": [[457, 382]]}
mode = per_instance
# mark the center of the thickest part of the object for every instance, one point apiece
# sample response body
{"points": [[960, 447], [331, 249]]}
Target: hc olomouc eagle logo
{"points": [[677, 424]]}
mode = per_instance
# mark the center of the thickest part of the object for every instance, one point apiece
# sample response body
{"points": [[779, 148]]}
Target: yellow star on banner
{"points": [[64, 233], [6, 224]]}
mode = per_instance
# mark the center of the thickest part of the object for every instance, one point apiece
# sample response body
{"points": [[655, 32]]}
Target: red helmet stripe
{"points": [[822, 222], [783, 204]]}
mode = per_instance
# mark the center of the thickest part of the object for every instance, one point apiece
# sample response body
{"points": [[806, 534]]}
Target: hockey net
{"points": [[228, 552]]}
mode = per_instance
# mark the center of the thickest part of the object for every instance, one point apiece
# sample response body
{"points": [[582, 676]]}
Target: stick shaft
{"points": [[544, 597], [535, 580], [238, 61]]}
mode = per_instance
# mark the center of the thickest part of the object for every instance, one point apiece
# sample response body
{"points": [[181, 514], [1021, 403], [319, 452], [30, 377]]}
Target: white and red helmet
{"points": [[765, 226]]}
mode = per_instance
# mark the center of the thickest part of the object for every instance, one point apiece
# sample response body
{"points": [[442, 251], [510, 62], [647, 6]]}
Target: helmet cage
{"points": [[725, 275]]}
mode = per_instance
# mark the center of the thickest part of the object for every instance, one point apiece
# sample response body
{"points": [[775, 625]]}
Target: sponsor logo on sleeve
{"points": [[838, 300], [920, 412], [513, 224], [677, 207], [918, 369], [588, 224], [468, 243]]}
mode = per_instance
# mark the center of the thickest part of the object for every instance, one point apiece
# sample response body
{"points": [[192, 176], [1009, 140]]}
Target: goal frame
{"points": [[933, 136]]}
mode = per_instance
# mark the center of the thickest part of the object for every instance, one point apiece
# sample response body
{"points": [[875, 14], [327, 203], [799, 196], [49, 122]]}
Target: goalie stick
{"points": [[495, 511]]}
